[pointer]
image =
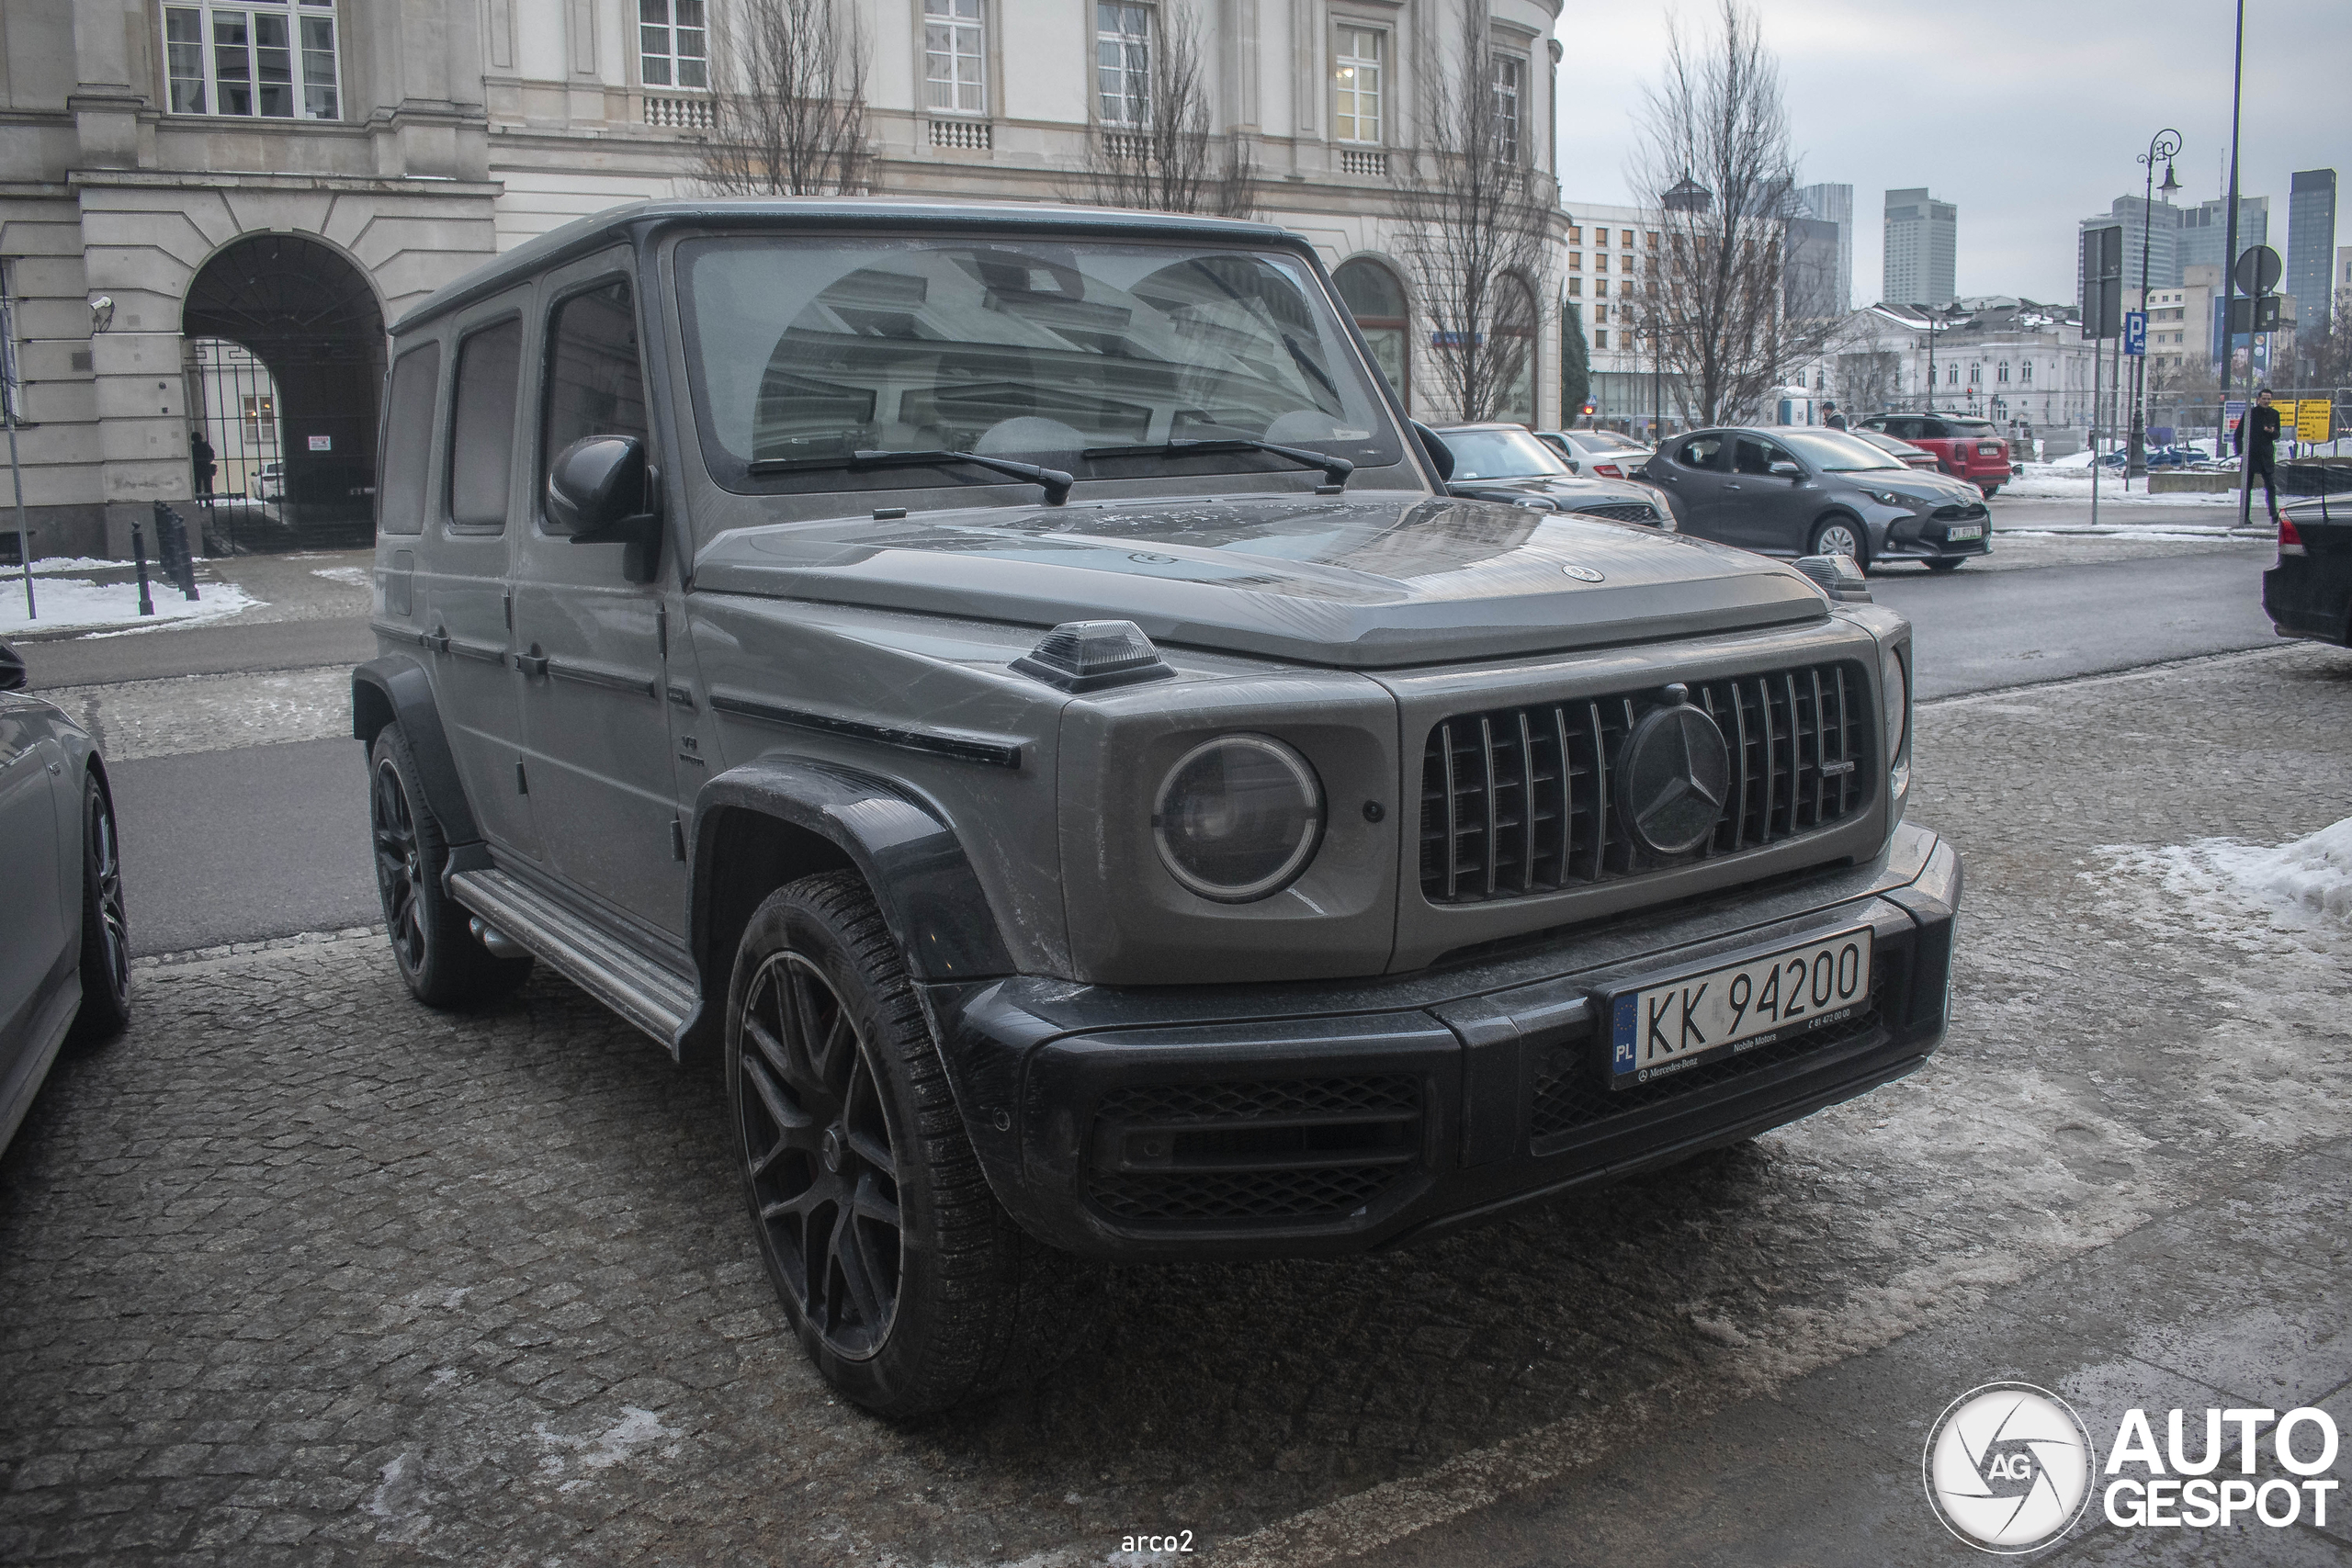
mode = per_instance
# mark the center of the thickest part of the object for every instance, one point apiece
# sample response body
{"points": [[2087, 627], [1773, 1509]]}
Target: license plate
{"points": [[1987, 449], [1677, 1024], [1966, 531]]}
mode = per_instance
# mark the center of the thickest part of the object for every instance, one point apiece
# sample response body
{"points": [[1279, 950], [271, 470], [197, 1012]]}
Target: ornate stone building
{"points": [[290, 175]]}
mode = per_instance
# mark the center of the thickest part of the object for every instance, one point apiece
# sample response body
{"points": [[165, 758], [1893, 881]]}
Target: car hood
{"points": [[1917, 484], [1358, 582]]}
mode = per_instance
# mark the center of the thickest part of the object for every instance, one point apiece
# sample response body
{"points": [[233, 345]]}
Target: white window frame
{"points": [[1132, 71], [1350, 70], [298, 73], [663, 34], [955, 57], [1509, 87]]}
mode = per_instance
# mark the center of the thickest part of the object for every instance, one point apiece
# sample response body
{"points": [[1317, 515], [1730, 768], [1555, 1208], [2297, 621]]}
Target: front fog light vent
{"points": [[1093, 656]]}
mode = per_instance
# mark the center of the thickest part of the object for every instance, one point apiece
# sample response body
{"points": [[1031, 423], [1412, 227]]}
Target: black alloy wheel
{"points": [[431, 933], [400, 865], [822, 1165], [909, 1285], [106, 927]]}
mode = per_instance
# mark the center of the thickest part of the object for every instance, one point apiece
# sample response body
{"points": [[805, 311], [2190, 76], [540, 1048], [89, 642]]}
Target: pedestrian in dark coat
{"points": [[199, 454], [2256, 433], [1831, 417]]}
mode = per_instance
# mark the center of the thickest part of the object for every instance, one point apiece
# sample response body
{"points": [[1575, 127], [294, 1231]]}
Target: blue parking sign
{"points": [[2135, 332]]}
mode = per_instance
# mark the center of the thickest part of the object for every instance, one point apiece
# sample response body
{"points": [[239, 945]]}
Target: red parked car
{"points": [[1965, 446]]}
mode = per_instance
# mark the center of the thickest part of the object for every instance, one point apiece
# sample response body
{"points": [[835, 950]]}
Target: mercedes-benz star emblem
{"points": [[1672, 778], [1584, 573]]}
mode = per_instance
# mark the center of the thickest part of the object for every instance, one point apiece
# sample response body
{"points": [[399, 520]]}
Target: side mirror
{"points": [[1788, 471], [12, 668], [601, 491], [1440, 454]]}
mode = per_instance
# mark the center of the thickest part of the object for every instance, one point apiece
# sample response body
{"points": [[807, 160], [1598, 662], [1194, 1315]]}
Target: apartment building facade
{"points": [[290, 175]]}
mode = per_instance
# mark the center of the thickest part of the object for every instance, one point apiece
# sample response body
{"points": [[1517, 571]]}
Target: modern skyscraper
{"points": [[2205, 229], [1835, 204], [1922, 250], [2164, 233], [2311, 244], [1812, 271]]}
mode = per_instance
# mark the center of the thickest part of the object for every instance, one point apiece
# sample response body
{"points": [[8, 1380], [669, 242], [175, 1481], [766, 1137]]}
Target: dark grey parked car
{"points": [[1510, 463], [1790, 491], [64, 951], [1007, 683]]}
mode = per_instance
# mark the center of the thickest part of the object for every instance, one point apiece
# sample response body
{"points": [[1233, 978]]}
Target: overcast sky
{"points": [[2029, 114]]}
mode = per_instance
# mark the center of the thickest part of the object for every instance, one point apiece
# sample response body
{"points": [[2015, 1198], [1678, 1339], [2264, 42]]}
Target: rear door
{"points": [[1690, 469], [593, 644]]}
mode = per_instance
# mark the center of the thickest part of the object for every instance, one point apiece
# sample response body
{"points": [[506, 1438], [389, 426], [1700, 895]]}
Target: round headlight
{"points": [[1894, 684], [1237, 818]]}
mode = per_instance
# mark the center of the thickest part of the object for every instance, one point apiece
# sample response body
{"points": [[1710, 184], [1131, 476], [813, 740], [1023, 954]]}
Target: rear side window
{"points": [[481, 425], [594, 386], [408, 441], [1700, 452]]}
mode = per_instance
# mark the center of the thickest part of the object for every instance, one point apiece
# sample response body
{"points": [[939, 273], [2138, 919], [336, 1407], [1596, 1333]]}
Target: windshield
{"points": [[1837, 454], [1605, 441], [809, 350], [1500, 455]]}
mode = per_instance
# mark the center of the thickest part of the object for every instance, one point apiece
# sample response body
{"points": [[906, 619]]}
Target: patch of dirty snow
{"points": [[2306, 881], [66, 603], [350, 576], [634, 1430]]}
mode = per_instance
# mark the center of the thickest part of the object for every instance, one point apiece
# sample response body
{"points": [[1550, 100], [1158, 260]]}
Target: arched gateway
{"points": [[310, 319]]}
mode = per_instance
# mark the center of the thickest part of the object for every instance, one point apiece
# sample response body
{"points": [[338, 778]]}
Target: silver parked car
{"points": [[1598, 453], [1804, 491], [1009, 685], [64, 947], [1507, 463]]}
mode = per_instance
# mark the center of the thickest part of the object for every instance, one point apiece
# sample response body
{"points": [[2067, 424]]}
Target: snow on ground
{"points": [[67, 604], [44, 566], [2069, 480], [2305, 885], [350, 576]]}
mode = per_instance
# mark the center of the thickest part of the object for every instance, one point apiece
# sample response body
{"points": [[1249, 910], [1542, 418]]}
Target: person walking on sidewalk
{"points": [[2257, 441], [1831, 417]]}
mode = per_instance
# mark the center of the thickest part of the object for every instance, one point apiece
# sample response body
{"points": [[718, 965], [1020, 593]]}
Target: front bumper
{"points": [[1316, 1119]]}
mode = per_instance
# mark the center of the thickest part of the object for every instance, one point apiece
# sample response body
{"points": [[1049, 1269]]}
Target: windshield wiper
{"points": [[1336, 469], [1053, 481]]}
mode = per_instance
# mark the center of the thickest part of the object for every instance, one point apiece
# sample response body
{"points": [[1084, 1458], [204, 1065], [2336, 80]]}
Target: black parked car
{"points": [[1507, 463], [2309, 593], [1819, 493]]}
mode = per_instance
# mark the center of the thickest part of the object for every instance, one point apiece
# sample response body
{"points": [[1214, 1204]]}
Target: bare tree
{"points": [[2331, 352], [1157, 153], [1476, 218], [1713, 160], [789, 92]]}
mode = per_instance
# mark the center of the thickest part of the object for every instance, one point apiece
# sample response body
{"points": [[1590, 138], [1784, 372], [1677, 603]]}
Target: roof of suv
{"points": [[926, 217]]}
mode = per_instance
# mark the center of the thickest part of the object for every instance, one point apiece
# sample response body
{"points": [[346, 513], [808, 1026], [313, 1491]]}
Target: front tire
{"points": [[909, 1285], [1990, 491], [432, 935], [106, 929], [1841, 537]]}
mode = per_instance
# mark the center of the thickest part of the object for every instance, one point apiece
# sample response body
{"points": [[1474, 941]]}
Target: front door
{"points": [[1762, 509], [592, 644], [33, 868], [1691, 472]]}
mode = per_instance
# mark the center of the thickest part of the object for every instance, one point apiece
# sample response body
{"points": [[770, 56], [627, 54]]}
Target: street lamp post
{"points": [[2164, 144]]}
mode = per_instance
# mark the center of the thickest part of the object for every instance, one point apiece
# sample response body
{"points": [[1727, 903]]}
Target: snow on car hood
{"points": [[1357, 582]]}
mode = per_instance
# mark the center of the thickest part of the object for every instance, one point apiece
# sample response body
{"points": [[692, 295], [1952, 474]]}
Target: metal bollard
{"points": [[171, 548], [139, 554]]}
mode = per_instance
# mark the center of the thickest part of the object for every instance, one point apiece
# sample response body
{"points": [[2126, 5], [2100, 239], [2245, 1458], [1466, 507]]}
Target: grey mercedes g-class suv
{"points": [[1010, 682]]}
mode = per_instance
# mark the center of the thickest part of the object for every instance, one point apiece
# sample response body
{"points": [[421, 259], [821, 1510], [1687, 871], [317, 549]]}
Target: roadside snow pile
{"points": [[349, 576], [77, 603], [2070, 480], [2309, 882]]}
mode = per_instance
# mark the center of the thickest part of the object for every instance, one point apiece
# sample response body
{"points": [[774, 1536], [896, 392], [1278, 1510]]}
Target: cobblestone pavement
{"points": [[297, 1271]]}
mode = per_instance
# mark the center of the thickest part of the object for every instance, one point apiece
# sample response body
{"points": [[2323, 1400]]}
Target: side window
{"points": [[1935, 430], [408, 441], [1754, 457], [1700, 452], [481, 425], [594, 386]]}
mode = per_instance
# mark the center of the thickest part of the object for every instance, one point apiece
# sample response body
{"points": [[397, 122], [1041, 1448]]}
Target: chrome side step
{"points": [[651, 995]]}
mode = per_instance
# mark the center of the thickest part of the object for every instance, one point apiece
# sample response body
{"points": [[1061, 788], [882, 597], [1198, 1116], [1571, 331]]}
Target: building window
{"points": [[1628, 240], [1601, 261], [1576, 261], [954, 66], [1599, 339], [1122, 63], [1975, 375], [274, 60], [2025, 372], [1355, 79], [1511, 78], [1600, 313], [1624, 286], [672, 47], [1576, 288], [1376, 300], [1575, 235], [1653, 238]]}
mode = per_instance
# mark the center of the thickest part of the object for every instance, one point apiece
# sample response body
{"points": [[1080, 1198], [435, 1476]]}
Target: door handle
{"points": [[532, 663], [437, 639]]}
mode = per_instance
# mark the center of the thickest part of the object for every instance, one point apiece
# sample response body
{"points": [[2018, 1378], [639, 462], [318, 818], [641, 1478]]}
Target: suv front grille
{"points": [[1243, 1152], [1619, 512], [1516, 802]]}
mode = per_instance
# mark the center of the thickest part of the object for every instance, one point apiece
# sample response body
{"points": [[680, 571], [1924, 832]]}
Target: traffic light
{"points": [[1589, 409]]}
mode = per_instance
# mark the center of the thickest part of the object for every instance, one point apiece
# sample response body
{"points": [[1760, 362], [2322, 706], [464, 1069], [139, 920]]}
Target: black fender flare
{"points": [[906, 849], [397, 688]]}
